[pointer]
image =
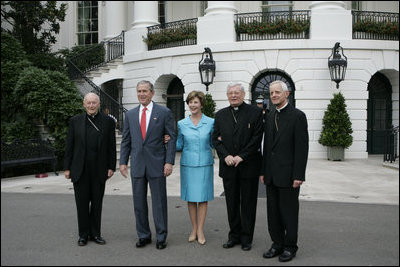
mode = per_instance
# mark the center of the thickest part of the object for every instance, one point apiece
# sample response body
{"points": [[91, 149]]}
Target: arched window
{"points": [[261, 87]]}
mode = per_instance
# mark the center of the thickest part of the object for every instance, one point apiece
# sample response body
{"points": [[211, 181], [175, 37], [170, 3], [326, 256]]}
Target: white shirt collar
{"points": [[280, 109], [149, 107]]}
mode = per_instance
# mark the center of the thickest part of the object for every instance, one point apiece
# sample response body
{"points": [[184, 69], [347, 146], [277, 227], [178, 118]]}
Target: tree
{"points": [[336, 124], [209, 108], [33, 23]]}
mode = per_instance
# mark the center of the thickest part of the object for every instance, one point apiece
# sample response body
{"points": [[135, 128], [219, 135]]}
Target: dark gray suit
{"points": [[148, 157]]}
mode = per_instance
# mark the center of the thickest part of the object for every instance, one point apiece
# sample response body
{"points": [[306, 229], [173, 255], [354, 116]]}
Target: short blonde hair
{"points": [[199, 94]]}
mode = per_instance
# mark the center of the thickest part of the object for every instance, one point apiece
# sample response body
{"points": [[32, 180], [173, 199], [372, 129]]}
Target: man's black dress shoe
{"points": [[161, 244], [287, 256], [272, 252], [143, 242], [82, 241], [246, 247], [230, 244], [99, 240]]}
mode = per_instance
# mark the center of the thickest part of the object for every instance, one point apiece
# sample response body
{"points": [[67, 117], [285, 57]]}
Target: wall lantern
{"points": [[207, 68], [337, 64]]}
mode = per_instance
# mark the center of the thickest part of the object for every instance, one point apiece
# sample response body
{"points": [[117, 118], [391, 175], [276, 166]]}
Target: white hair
{"points": [[91, 94], [283, 85], [234, 84]]}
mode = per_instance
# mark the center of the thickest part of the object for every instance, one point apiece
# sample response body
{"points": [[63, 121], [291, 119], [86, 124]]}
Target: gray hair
{"points": [[146, 82], [234, 84], [283, 85]]}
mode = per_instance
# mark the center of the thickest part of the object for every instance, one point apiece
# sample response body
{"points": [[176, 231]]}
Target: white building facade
{"points": [[371, 85]]}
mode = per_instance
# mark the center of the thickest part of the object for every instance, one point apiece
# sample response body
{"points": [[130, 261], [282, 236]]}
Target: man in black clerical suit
{"points": [[237, 137], [90, 159], [283, 171]]}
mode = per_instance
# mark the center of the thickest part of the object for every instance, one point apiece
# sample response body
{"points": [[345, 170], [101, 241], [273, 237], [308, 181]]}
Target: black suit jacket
{"points": [[285, 156], [242, 138], [74, 158]]}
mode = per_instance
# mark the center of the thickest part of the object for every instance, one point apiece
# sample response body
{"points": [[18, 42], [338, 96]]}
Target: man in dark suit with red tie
{"points": [[283, 171], [151, 161], [90, 159]]}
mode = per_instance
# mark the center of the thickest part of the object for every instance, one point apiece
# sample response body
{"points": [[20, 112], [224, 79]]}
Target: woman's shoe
{"points": [[201, 240], [192, 238]]}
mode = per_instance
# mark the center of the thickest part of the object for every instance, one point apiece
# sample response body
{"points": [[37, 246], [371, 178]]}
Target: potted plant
{"points": [[336, 128]]}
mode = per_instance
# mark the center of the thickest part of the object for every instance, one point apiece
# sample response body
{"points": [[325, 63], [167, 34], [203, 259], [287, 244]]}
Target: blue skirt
{"points": [[197, 183]]}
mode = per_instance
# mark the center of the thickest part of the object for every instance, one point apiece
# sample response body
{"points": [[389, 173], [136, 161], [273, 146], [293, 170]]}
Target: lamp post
{"points": [[337, 64], [207, 68]]}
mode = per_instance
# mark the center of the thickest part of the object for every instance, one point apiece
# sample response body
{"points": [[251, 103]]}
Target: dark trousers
{"points": [[89, 192], [283, 216], [158, 191], [241, 203]]}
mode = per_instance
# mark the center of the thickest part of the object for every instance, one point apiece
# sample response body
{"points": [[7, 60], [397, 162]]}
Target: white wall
{"points": [[304, 60]]}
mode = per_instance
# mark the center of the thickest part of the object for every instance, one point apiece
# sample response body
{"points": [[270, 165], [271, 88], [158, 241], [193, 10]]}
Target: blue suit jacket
{"points": [[148, 155], [195, 142]]}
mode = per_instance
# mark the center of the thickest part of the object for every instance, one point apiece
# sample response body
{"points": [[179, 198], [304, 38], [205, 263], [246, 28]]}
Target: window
{"points": [[88, 23], [270, 6], [161, 12], [260, 87]]}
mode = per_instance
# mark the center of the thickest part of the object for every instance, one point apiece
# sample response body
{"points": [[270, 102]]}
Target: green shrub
{"points": [[11, 49], [336, 124], [93, 55], [209, 108], [21, 128], [48, 62], [49, 97]]}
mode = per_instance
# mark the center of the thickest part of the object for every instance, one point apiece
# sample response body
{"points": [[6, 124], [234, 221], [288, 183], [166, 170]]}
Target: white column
{"points": [[219, 13], [115, 18], [330, 21], [145, 13], [220, 7]]}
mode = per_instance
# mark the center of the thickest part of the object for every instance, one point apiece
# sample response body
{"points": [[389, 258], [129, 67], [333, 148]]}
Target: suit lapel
{"points": [[102, 132], [135, 122], [283, 123], [154, 116], [82, 125]]}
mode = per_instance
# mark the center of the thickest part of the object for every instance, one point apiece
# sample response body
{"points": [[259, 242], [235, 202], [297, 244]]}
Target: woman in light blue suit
{"points": [[197, 163]]}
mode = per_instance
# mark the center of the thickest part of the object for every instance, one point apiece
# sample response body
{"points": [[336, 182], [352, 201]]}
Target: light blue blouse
{"points": [[195, 141]]}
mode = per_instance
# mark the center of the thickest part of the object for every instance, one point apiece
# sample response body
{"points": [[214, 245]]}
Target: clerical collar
{"points": [[280, 109], [237, 108], [92, 116]]}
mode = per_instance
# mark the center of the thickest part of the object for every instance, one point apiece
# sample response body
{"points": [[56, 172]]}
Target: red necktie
{"points": [[143, 123]]}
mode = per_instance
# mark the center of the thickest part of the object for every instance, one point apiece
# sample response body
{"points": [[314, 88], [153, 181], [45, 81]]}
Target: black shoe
{"points": [[99, 240], [272, 252], [143, 242], [161, 244], [82, 241], [246, 247], [230, 244], [287, 256]]}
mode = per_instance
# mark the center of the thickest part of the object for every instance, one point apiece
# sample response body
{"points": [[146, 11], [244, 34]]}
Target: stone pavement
{"points": [[349, 215], [353, 181]]}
